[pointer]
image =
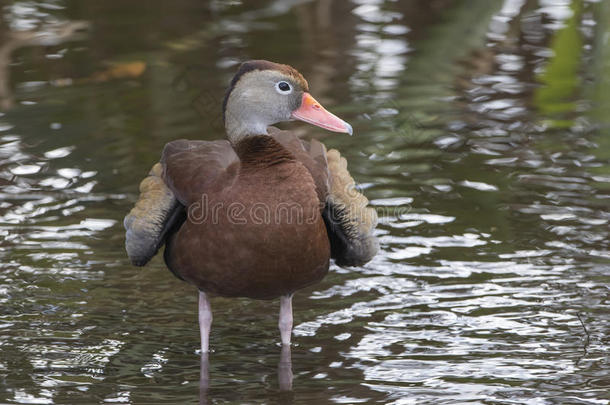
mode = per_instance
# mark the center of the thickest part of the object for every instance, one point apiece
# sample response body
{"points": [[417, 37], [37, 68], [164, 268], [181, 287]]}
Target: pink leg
{"points": [[205, 321], [285, 322]]}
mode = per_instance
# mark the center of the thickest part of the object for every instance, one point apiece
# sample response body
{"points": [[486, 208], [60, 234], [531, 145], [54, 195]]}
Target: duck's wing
{"points": [[195, 168], [350, 223], [151, 218], [188, 170]]}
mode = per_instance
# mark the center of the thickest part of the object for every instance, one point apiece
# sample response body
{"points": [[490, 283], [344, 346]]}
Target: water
{"points": [[481, 136]]}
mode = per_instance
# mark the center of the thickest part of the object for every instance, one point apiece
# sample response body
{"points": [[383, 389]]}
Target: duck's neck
{"points": [[238, 130], [261, 151], [241, 122]]}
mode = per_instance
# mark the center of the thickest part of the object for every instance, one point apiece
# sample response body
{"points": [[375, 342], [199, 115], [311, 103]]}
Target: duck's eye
{"points": [[283, 88]]}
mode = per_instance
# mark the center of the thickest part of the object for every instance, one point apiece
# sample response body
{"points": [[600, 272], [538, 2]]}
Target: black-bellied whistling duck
{"points": [[259, 215]]}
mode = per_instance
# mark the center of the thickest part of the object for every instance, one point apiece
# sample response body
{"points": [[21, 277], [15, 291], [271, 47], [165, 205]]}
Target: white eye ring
{"points": [[280, 87]]}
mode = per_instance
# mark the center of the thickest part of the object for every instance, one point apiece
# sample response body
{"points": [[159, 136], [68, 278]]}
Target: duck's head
{"points": [[264, 93]]}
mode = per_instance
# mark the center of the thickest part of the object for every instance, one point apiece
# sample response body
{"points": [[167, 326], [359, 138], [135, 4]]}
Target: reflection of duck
{"points": [[258, 215]]}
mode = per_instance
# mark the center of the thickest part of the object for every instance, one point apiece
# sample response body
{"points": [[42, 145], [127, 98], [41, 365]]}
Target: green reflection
{"points": [[560, 80], [599, 89]]}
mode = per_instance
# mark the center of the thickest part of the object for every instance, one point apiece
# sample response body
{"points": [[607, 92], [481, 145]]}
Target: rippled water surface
{"points": [[482, 137]]}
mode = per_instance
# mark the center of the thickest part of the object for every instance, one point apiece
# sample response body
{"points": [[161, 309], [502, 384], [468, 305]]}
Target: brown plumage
{"points": [[258, 215], [262, 236]]}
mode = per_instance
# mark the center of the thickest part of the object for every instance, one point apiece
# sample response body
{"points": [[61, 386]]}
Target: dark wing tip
{"points": [[348, 246], [143, 243]]}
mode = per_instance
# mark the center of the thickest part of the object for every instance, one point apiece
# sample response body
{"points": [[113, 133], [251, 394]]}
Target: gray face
{"points": [[261, 98]]}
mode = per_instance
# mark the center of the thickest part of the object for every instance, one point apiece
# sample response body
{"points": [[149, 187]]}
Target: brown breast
{"points": [[261, 235]]}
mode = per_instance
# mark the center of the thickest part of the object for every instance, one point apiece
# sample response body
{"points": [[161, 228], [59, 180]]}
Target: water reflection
{"points": [[481, 138], [379, 50], [31, 26], [204, 378], [284, 369]]}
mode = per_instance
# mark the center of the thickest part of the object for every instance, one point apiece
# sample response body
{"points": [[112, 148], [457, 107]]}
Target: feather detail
{"points": [[151, 217], [350, 222]]}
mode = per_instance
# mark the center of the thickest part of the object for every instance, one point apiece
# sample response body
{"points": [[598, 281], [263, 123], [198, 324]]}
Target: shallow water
{"points": [[482, 136]]}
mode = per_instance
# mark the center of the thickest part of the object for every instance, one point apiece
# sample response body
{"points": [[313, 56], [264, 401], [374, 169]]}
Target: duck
{"points": [[260, 214]]}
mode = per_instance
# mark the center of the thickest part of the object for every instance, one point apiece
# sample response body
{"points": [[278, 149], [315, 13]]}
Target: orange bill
{"points": [[312, 112]]}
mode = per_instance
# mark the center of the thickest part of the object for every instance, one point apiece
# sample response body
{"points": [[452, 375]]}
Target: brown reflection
{"points": [[50, 34]]}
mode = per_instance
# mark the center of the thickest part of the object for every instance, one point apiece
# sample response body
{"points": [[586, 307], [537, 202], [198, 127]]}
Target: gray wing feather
{"points": [[148, 222], [349, 221]]}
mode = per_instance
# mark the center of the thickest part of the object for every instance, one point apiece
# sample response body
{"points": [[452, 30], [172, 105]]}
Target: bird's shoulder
{"points": [[191, 167]]}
